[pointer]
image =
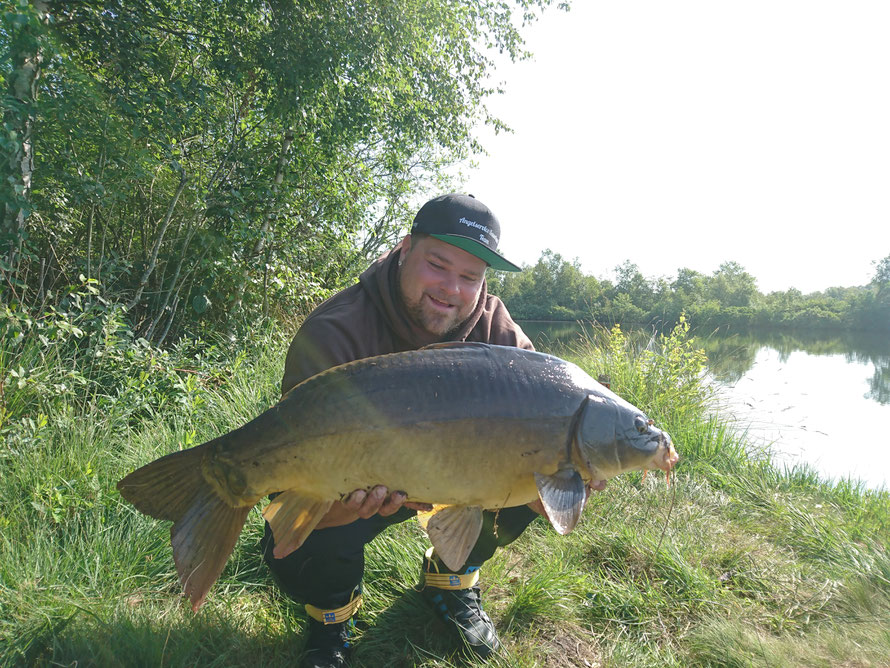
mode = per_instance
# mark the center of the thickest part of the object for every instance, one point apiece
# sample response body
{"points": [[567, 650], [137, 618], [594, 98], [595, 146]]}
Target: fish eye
{"points": [[641, 424]]}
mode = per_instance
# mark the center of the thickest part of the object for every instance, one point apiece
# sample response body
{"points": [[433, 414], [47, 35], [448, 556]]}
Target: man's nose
{"points": [[450, 284]]}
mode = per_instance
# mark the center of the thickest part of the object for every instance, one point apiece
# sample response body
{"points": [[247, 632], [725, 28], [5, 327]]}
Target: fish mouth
{"points": [[666, 457]]}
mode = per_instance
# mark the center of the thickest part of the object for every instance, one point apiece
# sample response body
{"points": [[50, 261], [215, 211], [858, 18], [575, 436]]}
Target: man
{"points": [[429, 288]]}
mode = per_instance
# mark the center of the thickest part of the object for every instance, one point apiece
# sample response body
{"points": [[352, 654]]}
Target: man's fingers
{"points": [[538, 507], [355, 500], [371, 505], [378, 501], [595, 486], [338, 515], [392, 503]]}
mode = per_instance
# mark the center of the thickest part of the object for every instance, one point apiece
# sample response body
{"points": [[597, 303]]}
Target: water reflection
{"points": [[548, 335], [880, 385], [732, 354]]}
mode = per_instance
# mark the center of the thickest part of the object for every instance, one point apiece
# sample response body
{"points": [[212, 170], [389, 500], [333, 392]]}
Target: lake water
{"points": [[821, 400]]}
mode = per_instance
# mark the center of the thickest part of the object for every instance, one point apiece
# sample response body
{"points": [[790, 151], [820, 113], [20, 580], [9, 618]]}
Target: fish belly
{"points": [[484, 463]]}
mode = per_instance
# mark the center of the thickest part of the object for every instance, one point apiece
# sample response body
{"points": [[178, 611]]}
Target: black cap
{"points": [[465, 222]]}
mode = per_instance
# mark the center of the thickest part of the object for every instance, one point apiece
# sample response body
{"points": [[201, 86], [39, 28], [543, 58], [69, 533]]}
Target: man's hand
{"points": [[598, 485], [363, 503]]}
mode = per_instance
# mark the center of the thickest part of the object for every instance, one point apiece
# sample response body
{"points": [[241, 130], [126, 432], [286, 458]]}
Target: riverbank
{"points": [[734, 563]]}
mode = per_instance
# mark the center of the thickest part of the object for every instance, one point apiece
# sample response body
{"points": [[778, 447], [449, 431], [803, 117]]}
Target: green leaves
{"points": [[306, 133], [555, 289]]}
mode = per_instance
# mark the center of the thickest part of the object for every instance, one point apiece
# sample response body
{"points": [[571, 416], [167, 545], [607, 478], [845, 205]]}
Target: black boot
{"points": [[330, 634], [328, 645], [458, 601]]}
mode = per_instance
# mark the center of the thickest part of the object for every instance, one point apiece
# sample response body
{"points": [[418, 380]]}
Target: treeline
{"points": [[556, 289], [201, 163]]}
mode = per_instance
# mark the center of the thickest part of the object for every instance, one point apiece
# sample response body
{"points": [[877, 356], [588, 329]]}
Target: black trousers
{"points": [[328, 566]]}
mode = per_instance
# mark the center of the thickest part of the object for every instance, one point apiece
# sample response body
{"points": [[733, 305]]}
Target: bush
{"points": [[83, 354]]}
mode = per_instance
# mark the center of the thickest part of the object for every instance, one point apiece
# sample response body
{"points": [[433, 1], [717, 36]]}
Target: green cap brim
{"points": [[481, 251]]}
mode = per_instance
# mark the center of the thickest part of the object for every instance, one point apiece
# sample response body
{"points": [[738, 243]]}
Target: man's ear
{"points": [[404, 246]]}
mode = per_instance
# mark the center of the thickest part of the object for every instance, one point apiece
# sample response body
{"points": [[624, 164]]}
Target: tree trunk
{"points": [[19, 118], [175, 286]]}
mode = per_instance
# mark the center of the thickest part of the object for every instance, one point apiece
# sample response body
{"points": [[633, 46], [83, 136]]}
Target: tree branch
{"points": [[153, 258]]}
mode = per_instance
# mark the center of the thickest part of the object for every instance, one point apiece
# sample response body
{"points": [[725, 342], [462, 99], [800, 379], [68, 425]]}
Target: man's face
{"points": [[439, 284]]}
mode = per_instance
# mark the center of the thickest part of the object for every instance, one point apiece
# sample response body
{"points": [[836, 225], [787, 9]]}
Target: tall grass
{"points": [[735, 563]]}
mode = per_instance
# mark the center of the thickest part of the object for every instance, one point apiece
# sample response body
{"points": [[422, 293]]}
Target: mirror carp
{"points": [[462, 426]]}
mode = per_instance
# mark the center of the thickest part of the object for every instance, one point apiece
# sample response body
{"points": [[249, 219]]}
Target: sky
{"points": [[688, 133]]}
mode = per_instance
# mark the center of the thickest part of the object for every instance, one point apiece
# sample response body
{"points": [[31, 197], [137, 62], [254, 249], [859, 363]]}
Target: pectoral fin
{"points": [[563, 496], [292, 518], [453, 531]]}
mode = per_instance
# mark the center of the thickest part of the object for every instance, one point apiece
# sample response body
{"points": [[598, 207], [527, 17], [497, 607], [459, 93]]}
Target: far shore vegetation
{"points": [[556, 289]]}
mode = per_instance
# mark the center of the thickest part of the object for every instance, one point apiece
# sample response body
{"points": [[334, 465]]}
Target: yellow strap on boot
{"points": [[447, 580], [335, 616]]}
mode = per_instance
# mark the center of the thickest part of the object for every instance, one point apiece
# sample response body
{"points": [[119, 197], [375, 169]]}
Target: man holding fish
{"points": [[430, 288], [419, 381]]}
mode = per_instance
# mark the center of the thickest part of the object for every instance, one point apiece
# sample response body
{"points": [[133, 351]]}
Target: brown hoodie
{"points": [[367, 319]]}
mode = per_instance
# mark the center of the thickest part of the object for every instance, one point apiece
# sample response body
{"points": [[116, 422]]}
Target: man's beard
{"points": [[439, 324]]}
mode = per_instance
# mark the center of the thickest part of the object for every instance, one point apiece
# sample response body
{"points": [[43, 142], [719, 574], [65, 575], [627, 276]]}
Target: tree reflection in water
{"points": [[730, 356]]}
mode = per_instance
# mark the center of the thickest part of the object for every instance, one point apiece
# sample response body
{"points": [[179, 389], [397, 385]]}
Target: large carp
{"points": [[463, 426]]}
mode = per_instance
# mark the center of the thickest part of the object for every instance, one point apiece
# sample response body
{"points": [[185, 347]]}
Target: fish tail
{"points": [[165, 488], [205, 527]]}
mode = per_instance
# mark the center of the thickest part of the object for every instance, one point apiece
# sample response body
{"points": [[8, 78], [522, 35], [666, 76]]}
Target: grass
{"points": [[736, 563]]}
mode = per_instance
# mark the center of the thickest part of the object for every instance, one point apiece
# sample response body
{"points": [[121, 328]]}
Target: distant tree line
{"points": [[556, 289], [204, 162]]}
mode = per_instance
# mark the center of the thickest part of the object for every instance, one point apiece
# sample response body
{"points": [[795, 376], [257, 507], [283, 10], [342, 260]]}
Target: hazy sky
{"points": [[680, 133]]}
